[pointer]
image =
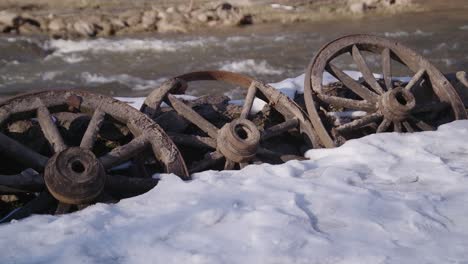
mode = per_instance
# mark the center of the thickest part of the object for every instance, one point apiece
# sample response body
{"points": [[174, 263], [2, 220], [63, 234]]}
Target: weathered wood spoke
{"points": [[192, 116], [383, 127], [243, 164], [21, 153], [421, 124], [280, 128], [92, 131], [416, 78], [123, 153], [348, 103], [212, 159], [193, 140], [365, 70], [461, 77], [117, 184], [49, 128], [28, 180], [352, 84], [249, 99], [37, 205], [229, 165], [397, 126], [358, 123], [408, 126], [277, 156], [62, 208], [387, 68]]}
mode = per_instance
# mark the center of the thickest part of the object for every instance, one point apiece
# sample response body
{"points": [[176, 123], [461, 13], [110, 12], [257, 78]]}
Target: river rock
{"points": [[117, 23], [30, 29], [172, 22], [85, 28], [131, 17], [9, 19], [149, 19], [106, 29], [57, 25]]}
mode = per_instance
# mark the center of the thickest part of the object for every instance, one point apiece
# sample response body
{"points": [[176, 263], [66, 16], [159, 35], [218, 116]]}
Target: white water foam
{"points": [[123, 45], [251, 67], [399, 34], [132, 82]]}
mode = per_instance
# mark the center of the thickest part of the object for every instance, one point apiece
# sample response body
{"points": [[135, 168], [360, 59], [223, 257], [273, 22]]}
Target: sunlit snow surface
{"points": [[386, 198]]}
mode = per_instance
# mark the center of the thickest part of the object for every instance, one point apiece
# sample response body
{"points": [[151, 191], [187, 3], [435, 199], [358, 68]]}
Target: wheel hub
{"points": [[238, 141], [396, 104], [74, 176]]}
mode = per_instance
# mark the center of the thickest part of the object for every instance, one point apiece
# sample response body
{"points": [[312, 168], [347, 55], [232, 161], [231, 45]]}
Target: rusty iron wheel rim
{"points": [[378, 108], [93, 174], [237, 150]]}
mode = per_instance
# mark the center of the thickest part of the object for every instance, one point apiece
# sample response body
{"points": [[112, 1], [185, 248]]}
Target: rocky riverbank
{"points": [[97, 18]]}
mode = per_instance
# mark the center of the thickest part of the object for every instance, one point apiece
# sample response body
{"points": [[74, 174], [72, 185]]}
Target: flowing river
{"points": [[132, 66]]}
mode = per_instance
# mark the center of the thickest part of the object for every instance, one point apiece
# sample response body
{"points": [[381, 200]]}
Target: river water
{"points": [[132, 66]]}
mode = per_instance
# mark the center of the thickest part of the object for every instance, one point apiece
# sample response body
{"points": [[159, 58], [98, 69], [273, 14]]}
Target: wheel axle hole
{"points": [[77, 166], [241, 132], [401, 98]]}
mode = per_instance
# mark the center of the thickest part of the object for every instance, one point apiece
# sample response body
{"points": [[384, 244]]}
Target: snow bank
{"points": [[386, 198]]}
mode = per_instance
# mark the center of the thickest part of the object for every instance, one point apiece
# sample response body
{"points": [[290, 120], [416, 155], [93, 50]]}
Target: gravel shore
{"points": [[71, 19]]}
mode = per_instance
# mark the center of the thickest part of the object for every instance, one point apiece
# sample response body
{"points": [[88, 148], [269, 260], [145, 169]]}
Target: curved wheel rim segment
{"points": [[387, 106], [225, 142]]}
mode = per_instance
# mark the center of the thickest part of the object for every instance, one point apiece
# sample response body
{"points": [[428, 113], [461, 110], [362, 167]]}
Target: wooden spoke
{"points": [[352, 84], [62, 208], [349, 103], [365, 70], [28, 180], [421, 124], [123, 153], [21, 153], [36, 205], [117, 184], [192, 116], [461, 77], [249, 99], [408, 127], [92, 131], [383, 127], [387, 68], [416, 78], [229, 164], [397, 126], [49, 128], [358, 123], [277, 156], [279, 129], [212, 159], [193, 141]]}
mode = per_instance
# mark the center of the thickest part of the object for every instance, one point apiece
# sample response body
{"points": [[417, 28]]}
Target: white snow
{"points": [[386, 198]]}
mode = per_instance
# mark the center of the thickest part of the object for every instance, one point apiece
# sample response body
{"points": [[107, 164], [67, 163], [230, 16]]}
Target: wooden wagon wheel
{"points": [[238, 142], [424, 102], [77, 174]]}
